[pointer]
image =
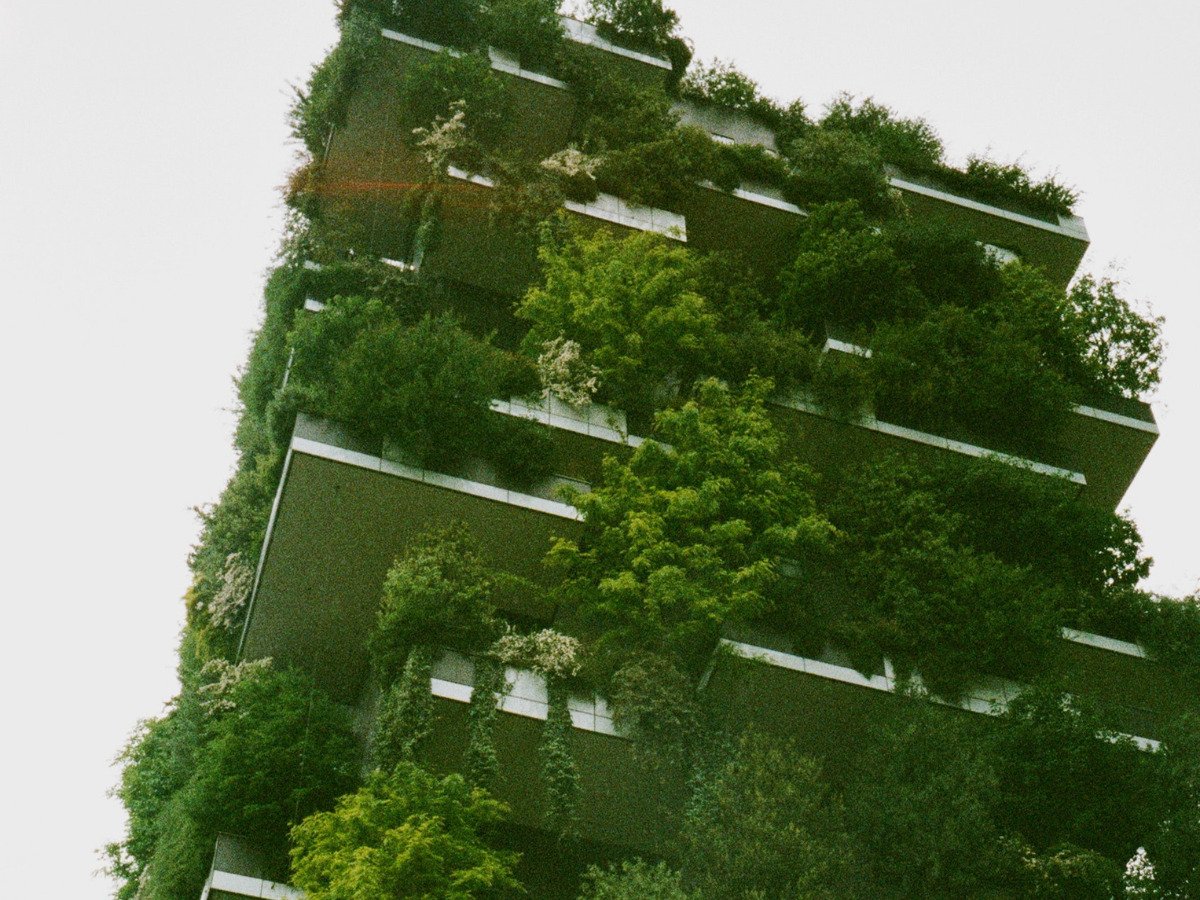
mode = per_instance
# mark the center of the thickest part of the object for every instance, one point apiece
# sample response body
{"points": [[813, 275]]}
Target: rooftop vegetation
{"points": [[950, 571]]}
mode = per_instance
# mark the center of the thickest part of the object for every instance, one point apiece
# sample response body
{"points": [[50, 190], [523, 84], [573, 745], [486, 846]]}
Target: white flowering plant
{"points": [[445, 140], [236, 582], [564, 372], [221, 677], [547, 652]]}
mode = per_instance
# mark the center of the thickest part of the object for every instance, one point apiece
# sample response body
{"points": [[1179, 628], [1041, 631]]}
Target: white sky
{"points": [[141, 143]]}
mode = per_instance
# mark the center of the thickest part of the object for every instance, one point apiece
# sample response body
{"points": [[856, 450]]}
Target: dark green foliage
{"points": [[429, 90], [926, 596], [684, 538], [271, 749], [529, 28], [910, 144], [1175, 847], [765, 824], [322, 105], [482, 764], [636, 880], [722, 84], [405, 713], [655, 702], [920, 815], [845, 273], [437, 594], [560, 773], [404, 834], [842, 385], [957, 373], [1171, 630], [1010, 186], [944, 263], [658, 173], [1064, 778], [833, 166], [642, 24], [458, 23], [1123, 352]]}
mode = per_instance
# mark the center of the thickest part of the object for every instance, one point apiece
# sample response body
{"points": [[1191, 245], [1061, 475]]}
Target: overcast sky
{"points": [[141, 146]]}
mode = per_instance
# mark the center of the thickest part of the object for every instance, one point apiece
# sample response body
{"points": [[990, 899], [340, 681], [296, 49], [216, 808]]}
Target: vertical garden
{"points": [[477, 220]]}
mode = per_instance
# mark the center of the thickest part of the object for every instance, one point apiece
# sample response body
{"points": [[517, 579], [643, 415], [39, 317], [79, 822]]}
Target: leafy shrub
{"points": [[685, 537], [426, 388], [458, 23], [1123, 349], [404, 834], [928, 598], [560, 774], [658, 173], [655, 702], [322, 104], [764, 824], [636, 880], [1009, 185], [956, 373], [945, 263], [833, 166], [481, 764], [842, 385], [432, 89], [405, 713], [845, 273], [1171, 630], [529, 28], [910, 144], [631, 305], [437, 594], [643, 24], [722, 84]]}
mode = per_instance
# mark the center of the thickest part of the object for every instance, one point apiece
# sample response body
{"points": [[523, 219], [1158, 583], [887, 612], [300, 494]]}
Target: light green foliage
{"points": [[1124, 348], [437, 594], [636, 880], [688, 534], [404, 834], [1065, 871], [845, 273], [559, 770], [633, 307], [764, 824], [405, 714]]}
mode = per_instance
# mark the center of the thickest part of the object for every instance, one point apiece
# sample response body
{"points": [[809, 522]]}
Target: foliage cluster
{"points": [[274, 751], [405, 833]]}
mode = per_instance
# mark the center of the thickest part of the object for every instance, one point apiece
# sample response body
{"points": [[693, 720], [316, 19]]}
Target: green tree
{"points": [[1123, 352], [404, 834], [437, 594], [845, 274], [633, 306], [688, 534], [764, 823]]}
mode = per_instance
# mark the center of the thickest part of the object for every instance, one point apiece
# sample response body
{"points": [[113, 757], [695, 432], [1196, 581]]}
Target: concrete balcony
{"points": [[343, 513], [1101, 450], [238, 870], [1056, 247]]}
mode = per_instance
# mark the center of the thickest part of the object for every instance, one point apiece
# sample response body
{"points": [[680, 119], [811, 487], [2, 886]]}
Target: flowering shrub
{"points": [[547, 652], [221, 678], [564, 373], [236, 583], [443, 141]]}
